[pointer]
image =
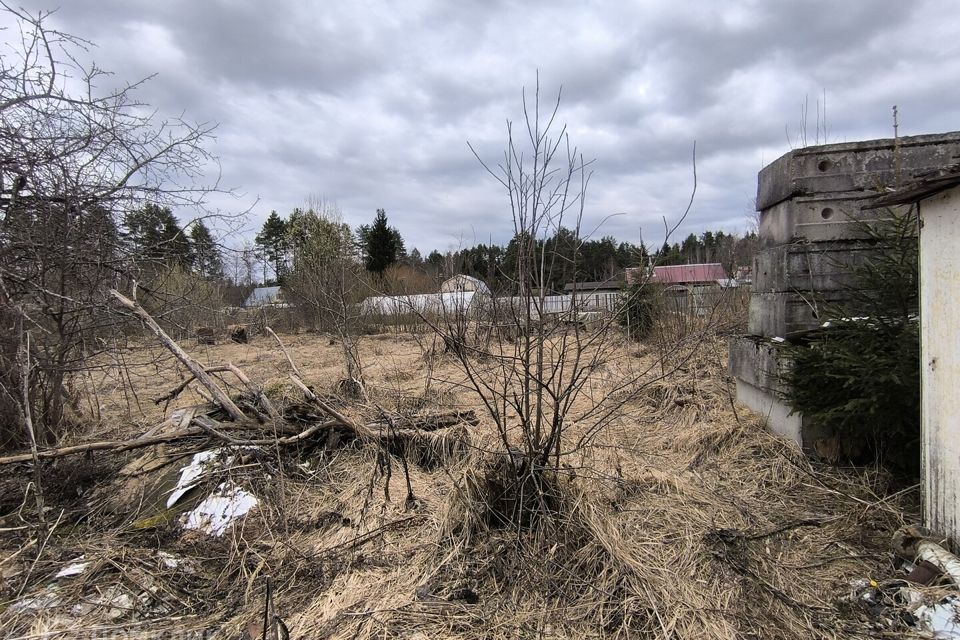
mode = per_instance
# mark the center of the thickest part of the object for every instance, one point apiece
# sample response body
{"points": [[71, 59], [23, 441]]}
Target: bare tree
{"points": [[533, 375], [328, 282], [75, 160]]}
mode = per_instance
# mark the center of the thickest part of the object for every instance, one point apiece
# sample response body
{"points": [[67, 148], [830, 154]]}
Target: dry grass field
{"points": [[684, 518]]}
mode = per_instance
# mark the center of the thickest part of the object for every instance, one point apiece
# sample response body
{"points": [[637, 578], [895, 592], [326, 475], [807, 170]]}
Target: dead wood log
{"points": [[204, 426], [205, 335], [362, 431], [217, 430], [940, 558], [106, 445], [177, 390], [227, 368], [219, 395], [396, 440], [918, 545], [436, 421], [254, 389], [237, 333]]}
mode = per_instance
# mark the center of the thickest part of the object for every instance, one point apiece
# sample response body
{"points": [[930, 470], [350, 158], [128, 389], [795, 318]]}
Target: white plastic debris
{"points": [[169, 560], [41, 602], [75, 568], [778, 339], [215, 512], [191, 474], [941, 619]]}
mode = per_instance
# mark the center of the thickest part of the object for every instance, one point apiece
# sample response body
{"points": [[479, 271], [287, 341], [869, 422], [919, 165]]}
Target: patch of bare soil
{"points": [[685, 518]]}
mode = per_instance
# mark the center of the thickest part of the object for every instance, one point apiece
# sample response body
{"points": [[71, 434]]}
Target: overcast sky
{"points": [[371, 104]]}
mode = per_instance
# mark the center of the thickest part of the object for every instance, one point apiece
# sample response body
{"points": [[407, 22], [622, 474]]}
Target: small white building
{"points": [[937, 197]]}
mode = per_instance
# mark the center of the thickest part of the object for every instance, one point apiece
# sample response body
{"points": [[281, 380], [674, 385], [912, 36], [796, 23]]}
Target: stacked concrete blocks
{"points": [[811, 202]]}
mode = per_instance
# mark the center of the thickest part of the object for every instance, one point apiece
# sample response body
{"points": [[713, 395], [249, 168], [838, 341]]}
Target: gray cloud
{"points": [[371, 104]]}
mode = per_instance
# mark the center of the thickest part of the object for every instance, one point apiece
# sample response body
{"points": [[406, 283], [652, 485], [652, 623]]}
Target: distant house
{"points": [[690, 288], [462, 284], [602, 295], [611, 285], [690, 274], [264, 297], [744, 275]]}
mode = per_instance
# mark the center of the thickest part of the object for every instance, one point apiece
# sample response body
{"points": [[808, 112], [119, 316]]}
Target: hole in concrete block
{"points": [[826, 213], [824, 165]]}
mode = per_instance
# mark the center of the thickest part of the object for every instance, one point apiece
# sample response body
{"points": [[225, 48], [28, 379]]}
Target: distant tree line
{"points": [[730, 250], [380, 248]]}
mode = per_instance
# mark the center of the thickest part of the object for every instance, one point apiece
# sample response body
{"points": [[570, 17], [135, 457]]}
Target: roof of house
{"points": [[593, 286], [688, 273], [261, 295], [924, 186]]}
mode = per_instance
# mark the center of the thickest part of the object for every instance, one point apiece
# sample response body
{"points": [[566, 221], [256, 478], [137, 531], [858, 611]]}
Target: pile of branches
{"points": [[252, 419]]}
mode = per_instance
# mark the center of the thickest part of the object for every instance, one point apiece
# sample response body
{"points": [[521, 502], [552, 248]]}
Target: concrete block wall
{"points": [[810, 201]]}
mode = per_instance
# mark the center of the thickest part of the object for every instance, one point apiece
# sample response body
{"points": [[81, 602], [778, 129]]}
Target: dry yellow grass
{"points": [[685, 518]]}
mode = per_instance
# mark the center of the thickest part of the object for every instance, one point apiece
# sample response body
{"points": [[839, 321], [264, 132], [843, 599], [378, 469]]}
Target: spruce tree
{"points": [[206, 255], [272, 240], [382, 244], [154, 235]]}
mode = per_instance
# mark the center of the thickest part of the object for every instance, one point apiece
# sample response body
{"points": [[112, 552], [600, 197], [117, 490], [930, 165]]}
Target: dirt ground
{"points": [[685, 518]]}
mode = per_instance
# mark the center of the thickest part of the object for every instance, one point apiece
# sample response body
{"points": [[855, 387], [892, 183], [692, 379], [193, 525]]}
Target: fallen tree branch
{"points": [[106, 445], [177, 390], [216, 429], [293, 366], [362, 431], [256, 391], [205, 425], [219, 395], [210, 426]]}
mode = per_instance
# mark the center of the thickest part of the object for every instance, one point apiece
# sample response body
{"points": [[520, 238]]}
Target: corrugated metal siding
{"points": [[689, 273]]}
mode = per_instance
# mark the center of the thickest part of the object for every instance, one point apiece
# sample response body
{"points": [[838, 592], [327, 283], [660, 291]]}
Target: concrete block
{"points": [[780, 418], [817, 219], [776, 412], [781, 314], [757, 362], [809, 266], [864, 167]]}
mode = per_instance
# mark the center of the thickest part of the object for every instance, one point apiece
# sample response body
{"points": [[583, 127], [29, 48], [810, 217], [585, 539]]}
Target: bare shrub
{"points": [[533, 379], [75, 160], [327, 282]]}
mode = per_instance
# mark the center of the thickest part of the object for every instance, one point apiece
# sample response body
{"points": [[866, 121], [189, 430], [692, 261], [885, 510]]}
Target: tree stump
{"points": [[237, 333], [205, 335]]}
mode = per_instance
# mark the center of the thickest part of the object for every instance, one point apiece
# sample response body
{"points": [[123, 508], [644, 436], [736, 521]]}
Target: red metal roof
{"points": [[689, 273]]}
